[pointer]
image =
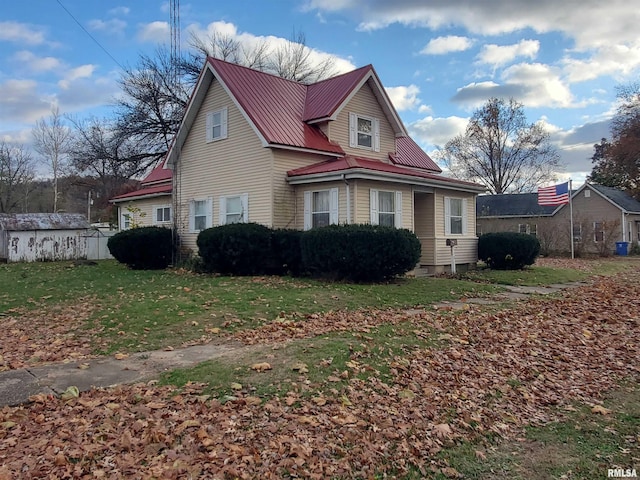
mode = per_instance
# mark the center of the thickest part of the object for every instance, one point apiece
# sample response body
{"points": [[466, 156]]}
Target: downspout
{"points": [[344, 179]]}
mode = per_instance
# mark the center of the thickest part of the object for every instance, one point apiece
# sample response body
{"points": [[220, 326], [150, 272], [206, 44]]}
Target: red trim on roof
{"points": [[409, 154], [146, 191], [349, 163], [158, 174], [275, 106]]}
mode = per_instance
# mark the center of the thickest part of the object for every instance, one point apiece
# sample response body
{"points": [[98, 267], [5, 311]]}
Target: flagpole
{"points": [[571, 217]]}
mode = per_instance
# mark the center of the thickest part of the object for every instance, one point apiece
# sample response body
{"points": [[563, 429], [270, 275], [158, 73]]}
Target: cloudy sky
{"points": [[438, 59]]}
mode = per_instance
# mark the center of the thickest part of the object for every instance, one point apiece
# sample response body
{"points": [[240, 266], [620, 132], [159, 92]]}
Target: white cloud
{"points": [[497, 55], [83, 71], [119, 11], [615, 60], [437, 131], [114, 26], [21, 33], [154, 32], [444, 45], [249, 41], [34, 63], [404, 98], [23, 101]]}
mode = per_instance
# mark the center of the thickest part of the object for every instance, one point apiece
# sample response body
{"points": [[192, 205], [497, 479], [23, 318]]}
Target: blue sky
{"points": [[438, 59]]}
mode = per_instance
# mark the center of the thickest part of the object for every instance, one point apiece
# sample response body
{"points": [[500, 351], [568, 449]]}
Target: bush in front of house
{"points": [[286, 252], [143, 248], [508, 250], [236, 249], [359, 253]]}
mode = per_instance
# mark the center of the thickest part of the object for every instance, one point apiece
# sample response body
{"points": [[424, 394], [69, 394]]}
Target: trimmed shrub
{"points": [[236, 249], [360, 253], [143, 248], [286, 252], [508, 250]]}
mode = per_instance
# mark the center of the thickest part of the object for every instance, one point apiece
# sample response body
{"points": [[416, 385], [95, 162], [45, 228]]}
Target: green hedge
{"points": [[236, 249], [508, 250], [287, 252], [144, 248], [359, 253]]}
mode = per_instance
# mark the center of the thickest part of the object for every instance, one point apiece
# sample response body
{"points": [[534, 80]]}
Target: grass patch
{"points": [[584, 445], [531, 276], [144, 310], [328, 362]]}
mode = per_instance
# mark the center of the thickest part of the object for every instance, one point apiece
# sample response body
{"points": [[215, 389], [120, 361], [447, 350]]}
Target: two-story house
{"points": [[254, 147]]}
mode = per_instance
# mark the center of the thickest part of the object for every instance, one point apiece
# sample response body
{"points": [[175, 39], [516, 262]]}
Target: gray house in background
{"points": [[29, 237], [602, 217]]}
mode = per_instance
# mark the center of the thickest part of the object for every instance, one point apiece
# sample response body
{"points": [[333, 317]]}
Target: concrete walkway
{"points": [[16, 386]]}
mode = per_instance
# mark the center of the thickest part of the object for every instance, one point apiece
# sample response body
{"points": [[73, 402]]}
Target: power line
{"points": [[90, 36]]}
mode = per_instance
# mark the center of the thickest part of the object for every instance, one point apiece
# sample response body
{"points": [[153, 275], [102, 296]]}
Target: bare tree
{"points": [[51, 141], [17, 171], [500, 150]]}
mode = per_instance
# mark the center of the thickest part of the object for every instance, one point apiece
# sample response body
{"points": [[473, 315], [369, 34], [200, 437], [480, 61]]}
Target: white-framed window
{"points": [[364, 132], [533, 229], [161, 214], [125, 221], [386, 208], [455, 218], [234, 209], [217, 125], [528, 228], [587, 193], [200, 214], [320, 208], [598, 231], [522, 228]]}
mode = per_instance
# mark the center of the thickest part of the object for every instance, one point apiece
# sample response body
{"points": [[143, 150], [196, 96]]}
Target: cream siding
{"points": [[314, 187], [236, 165], [144, 217], [467, 249], [285, 197], [424, 218], [363, 103], [362, 205]]}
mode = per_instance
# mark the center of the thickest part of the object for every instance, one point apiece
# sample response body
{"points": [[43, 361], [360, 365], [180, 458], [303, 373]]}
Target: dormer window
{"points": [[364, 132]]}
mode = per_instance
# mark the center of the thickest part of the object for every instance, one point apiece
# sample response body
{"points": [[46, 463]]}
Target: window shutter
{"points": [[222, 219], [398, 215], [333, 206], [192, 220], [464, 216], [209, 212], [447, 216], [154, 209], [373, 199], [223, 120], [209, 127], [376, 134], [353, 130], [244, 198], [307, 210]]}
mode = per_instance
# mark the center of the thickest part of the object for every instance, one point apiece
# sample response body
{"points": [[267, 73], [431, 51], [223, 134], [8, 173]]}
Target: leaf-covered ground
{"points": [[494, 371]]}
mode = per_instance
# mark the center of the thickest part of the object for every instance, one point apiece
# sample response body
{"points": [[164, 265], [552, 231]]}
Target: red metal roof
{"points": [[350, 163], [324, 97], [409, 154], [275, 106], [158, 174], [149, 191]]}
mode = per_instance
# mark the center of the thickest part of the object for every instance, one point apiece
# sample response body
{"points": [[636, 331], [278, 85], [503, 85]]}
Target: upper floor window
{"points": [[320, 208], [217, 125], [386, 208], [234, 209], [364, 132], [455, 218]]}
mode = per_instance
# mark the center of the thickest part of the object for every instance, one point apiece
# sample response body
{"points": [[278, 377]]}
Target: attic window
{"points": [[217, 125], [587, 193], [364, 132]]}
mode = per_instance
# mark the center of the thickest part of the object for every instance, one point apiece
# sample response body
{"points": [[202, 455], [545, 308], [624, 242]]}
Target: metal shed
{"points": [[31, 237]]}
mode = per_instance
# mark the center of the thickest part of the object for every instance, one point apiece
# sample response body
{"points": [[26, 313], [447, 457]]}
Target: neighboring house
{"points": [[254, 147], [30, 237], [151, 204], [602, 216]]}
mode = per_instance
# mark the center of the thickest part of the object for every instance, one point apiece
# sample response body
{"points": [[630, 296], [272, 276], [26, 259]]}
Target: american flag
{"points": [[555, 195]]}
